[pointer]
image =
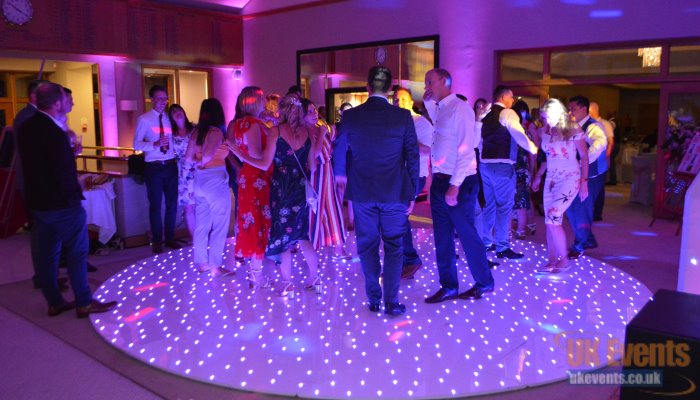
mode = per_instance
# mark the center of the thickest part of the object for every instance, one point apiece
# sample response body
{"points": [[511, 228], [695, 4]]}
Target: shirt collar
{"points": [[56, 121], [447, 99], [157, 113], [500, 104], [583, 121], [381, 96]]}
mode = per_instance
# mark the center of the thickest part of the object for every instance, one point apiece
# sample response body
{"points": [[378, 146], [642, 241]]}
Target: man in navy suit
{"points": [[377, 156], [53, 196]]}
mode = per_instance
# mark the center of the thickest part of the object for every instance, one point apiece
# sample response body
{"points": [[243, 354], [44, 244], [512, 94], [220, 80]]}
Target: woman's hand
{"points": [[535, 185], [233, 147], [583, 190]]}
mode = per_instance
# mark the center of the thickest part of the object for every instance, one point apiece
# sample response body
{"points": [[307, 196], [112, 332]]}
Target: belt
{"points": [[164, 162], [440, 176]]}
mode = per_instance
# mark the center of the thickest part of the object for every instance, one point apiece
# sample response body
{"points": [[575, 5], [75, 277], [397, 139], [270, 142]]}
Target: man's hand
{"points": [[409, 210], [341, 183], [163, 141], [583, 191], [451, 195]]}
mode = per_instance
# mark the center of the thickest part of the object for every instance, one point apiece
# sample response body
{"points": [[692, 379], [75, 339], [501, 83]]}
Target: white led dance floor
{"points": [[330, 345]]}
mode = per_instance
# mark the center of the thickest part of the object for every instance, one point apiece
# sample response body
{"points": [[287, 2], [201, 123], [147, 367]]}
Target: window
{"points": [[522, 66], [603, 63], [685, 59]]}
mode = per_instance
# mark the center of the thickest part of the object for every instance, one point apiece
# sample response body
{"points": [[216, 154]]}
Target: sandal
{"points": [[257, 279], [287, 290], [315, 284]]}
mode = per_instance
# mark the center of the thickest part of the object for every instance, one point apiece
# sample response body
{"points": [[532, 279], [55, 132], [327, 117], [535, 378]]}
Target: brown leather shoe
{"points": [[94, 308], [157, 247], [408, 271], [55, 310]]}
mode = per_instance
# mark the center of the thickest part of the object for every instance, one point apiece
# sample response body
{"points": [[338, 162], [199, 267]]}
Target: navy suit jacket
{"points": [[377, 150], [50, 175]]}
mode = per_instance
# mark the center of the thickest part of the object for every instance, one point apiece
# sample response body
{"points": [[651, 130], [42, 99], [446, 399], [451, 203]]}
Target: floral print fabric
{"points": [[563, 176]]}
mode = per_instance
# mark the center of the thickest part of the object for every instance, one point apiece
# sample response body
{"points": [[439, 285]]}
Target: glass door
{"points": [[679, 122]]}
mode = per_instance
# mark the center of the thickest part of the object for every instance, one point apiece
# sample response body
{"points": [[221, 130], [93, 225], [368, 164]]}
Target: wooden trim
{"points": [[287, 9]]}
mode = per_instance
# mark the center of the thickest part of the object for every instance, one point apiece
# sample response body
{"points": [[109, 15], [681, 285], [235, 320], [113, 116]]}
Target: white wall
{"points": [[470, 31]]}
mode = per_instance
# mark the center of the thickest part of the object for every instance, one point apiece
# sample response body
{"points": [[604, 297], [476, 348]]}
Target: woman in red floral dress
{"points": [[254, 218]]}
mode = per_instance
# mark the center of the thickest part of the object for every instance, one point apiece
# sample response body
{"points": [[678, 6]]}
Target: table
{"points": [[99, 206]]}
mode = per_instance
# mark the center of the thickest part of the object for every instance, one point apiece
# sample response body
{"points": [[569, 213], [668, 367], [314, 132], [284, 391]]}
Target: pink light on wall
{"points": [[226, 85]]}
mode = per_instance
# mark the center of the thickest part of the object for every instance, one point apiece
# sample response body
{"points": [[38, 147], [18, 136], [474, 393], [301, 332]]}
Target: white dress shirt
{"points": [[595, 137], [424, 131], [148, 131], [510, 120], [452, 152]]}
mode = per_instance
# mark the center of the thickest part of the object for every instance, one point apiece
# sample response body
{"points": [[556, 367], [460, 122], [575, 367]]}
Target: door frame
{"points": [[667, 89]]}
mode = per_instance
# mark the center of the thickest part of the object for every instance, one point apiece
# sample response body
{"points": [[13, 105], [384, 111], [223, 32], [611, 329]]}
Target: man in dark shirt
{"points": [[53, 196]]}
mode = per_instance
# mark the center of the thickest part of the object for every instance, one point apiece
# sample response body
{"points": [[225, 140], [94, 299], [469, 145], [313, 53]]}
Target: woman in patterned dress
{"points": [[524, 165], [294, 156], [182, 131], [253, 218], [327, 226], [562, 139]]}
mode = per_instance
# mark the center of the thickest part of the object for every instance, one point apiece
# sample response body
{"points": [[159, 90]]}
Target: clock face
{"points": [[17, 12], [380, 55]]}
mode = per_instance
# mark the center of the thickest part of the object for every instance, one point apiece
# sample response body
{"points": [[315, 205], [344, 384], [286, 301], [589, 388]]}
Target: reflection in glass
{"points": [[522, 66], [600, 63], [685, 59]]}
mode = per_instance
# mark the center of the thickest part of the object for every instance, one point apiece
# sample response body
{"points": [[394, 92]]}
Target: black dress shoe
{"points": [[409, 271], [491, 248], [172, 244], [475, 293], [442, 295], [394, 309], [493, 264], [55, 310], [157, 247], [373, 307], [95, 307], [510, 254], [574, 254]]}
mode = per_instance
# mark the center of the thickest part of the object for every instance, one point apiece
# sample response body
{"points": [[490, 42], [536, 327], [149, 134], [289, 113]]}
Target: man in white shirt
{"points": [[594, 112], [454, 189], [501, 135], [424, 131], [580, 213], [154, 137]]}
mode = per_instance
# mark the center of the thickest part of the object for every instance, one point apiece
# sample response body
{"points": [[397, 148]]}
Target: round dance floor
{"points": [[329, 345]]}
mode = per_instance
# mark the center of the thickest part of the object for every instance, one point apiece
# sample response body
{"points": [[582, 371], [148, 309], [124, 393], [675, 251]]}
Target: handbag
{"points": [[137, 166], [311, 195]]}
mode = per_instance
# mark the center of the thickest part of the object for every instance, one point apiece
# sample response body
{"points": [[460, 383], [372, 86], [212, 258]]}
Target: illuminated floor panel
{"points": [[329, 345]]}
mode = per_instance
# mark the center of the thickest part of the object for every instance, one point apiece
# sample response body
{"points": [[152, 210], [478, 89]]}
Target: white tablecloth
{"points": [[99, 207]]}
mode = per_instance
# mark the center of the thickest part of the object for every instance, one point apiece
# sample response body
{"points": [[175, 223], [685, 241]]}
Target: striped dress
{"points": [[326, 227]]}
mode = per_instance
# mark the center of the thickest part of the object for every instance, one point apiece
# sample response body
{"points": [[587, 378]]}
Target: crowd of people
{"points": [[291, 171]]}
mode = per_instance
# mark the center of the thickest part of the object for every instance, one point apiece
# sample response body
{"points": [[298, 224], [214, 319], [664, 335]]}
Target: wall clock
{"points": [[380, 55], [17, 12]]}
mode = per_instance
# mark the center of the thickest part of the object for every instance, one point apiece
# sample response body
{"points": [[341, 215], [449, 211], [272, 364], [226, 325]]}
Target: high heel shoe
{"points": [[520, 235], [315, 284], [257, 279], [531, 229], [287, 290], [549, 268]]}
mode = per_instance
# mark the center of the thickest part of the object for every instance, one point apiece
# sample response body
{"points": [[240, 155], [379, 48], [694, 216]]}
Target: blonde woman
{"points": [[562, 139]]}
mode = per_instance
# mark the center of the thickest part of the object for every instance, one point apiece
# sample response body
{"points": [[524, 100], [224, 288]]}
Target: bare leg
{"points": [[311, 258], [522, 223], [551, 250], [558, 241], [351, 217]]}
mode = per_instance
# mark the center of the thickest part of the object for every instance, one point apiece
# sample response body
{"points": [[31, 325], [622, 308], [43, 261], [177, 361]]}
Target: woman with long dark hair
{"points": [[182, 132], [208, 152]]}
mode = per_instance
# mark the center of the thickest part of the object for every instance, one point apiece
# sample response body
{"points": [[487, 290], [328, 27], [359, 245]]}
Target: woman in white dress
{"points": [[562, 139]]}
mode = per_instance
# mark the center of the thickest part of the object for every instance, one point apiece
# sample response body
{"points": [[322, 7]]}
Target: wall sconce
{"points": [[237, 74], [651, 56]]}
